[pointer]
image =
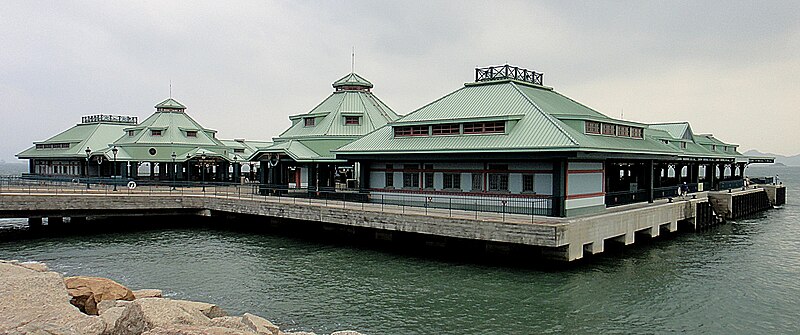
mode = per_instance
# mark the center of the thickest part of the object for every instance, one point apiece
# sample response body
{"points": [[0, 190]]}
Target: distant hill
{"points": [[12, 169], [786, 160]]}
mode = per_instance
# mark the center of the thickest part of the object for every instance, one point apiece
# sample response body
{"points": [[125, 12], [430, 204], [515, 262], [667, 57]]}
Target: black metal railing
{"points": [[467, 206], [508, 72], [629, 197]]}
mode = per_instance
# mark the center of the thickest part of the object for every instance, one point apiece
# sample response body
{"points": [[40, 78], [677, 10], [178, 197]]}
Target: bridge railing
{"points": [[494, 206]]}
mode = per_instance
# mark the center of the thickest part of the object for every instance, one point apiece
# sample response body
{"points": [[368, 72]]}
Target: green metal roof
{"points": [[174, 128], [675, 129], [539, 120], [170, 103], [96, 136], [329, 132], [352, 79]]}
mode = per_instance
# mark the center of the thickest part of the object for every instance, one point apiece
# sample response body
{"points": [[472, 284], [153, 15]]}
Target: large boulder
{"points": [[86, 292], [232, 322], [209, 310], [146, 314], [107, 304], [260, 325], [110, 317], [148, 293], [195, 330], [35, 301]]}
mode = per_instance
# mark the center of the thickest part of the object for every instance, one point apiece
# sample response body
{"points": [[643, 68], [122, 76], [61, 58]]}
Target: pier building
{"points": [[508, 137], [302, 156], [65, 154], [168, 145]]}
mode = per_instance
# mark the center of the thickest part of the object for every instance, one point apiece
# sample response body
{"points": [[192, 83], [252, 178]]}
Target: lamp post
{"points": [[114, 151], [88, 154], [203, 167], [174, 169], [235, 167]]}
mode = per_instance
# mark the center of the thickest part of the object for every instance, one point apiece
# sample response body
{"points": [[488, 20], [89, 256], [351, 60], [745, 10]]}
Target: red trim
{"points": [[479, 194], [587, 195]]}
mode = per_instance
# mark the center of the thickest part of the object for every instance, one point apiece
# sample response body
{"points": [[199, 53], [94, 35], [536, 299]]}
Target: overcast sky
{"points": [[730, 68]]}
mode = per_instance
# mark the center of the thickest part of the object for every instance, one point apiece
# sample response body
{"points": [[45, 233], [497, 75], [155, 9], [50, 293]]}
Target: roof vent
{"points": [[240, 140], [508, 72]]}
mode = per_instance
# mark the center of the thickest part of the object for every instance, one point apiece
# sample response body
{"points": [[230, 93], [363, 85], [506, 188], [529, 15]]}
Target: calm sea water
{"points": [[741, 277]]}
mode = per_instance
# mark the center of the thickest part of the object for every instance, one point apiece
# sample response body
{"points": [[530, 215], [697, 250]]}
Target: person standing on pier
{"points": [[684, 189]]}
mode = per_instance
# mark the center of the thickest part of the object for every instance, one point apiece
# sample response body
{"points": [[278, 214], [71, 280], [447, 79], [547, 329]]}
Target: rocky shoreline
{"points": [[35, 300]]}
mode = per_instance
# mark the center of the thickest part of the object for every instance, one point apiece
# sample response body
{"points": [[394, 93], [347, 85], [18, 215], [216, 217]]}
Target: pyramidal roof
{"points": [[165, 131], [170, 103], [347, 114], [352, 79], [365, 111]]}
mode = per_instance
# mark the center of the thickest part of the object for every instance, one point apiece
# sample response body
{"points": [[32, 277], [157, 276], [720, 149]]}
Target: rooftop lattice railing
{"points": [[508, 72]]}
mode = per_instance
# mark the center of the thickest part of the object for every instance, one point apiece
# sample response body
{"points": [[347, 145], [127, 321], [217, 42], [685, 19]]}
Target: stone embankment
{"points": [[34, 300]]}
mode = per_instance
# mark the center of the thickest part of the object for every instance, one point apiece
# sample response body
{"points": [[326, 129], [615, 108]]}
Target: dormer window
{"points": [[238, 151], [609, 129], [155, 132], [309, 121], [485, 127], [714, 147], [592, 127], [191, 133], [352, 120], [446, 129], [411, 131], [623, 131], [131, 132], [683, 145]]}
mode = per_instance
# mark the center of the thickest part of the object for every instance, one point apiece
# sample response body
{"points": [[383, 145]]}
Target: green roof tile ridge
{"points": [[431, 103], [546, 115]]}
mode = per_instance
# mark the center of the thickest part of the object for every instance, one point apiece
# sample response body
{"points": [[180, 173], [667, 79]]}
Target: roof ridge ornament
{"points": [[491, 73]]}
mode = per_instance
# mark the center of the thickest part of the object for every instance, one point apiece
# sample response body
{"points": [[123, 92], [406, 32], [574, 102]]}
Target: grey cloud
{"points": [[243, 67]]}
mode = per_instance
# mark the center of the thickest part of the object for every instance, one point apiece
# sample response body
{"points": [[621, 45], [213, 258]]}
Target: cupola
{"points": [[170, 106], [352, 82]]}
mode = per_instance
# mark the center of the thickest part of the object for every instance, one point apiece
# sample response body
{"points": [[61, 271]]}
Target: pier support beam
{"points": [[574, 251], [653, 231], [595, 247], [626, 239]]}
